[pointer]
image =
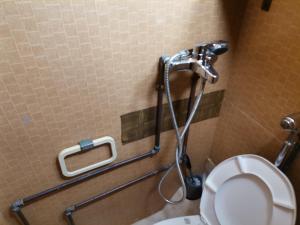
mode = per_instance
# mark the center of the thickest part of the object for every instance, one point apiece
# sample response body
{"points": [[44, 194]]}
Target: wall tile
{"points": [[70, 69], [140, 124], [264, 84]]}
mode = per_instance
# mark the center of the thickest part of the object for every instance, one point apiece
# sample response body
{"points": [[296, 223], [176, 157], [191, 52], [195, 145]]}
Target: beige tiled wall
{"points": [[69, 69], [264, 85]]}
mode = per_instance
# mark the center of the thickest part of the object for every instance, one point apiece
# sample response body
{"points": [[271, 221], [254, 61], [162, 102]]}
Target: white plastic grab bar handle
{"points": [[76, 148]]}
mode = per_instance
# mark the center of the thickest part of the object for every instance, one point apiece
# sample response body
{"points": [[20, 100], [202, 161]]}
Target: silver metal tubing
{"points": [[194, 81], [199, 60], [179, 136]]}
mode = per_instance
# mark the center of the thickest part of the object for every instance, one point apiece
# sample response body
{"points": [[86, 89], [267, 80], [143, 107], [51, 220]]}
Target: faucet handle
{"points": [[206, 71], [291, 122]]}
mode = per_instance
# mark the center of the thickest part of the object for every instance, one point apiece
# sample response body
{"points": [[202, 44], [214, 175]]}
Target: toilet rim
{"points": [[243, 165]]}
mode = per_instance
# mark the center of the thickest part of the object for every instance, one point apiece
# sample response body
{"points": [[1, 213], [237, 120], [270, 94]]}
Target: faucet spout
{"points": [[206, 71]]}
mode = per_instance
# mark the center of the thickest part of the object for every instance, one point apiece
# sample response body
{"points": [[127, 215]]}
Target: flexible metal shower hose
{"points": [[179, 135]]}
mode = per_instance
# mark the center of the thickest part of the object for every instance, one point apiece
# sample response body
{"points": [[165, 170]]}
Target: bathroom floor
{"points": [[170, 211]]}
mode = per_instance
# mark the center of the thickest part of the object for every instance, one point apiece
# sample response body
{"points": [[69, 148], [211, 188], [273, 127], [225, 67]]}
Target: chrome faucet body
{"points": [[200, 60]]}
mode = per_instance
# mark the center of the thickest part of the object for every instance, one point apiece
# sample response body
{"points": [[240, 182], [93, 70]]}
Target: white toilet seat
{"points": [[244, 190], [248, 190]]}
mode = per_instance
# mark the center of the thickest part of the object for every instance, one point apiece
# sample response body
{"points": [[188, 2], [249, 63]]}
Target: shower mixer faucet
{"points": [[200, 60]]}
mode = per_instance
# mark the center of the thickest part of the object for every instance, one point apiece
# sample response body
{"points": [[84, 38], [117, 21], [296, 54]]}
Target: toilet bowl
{"points": [[244, 190]]}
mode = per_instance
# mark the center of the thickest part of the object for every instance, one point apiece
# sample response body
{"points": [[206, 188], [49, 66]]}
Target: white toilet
{"points": [[244, 190]]}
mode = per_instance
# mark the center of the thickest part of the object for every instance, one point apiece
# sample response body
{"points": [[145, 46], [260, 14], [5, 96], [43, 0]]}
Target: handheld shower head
{"points": [[218, 47]]}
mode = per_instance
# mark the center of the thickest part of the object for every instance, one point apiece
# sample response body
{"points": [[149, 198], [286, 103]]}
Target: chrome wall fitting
{"points": [[291, 145]]}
